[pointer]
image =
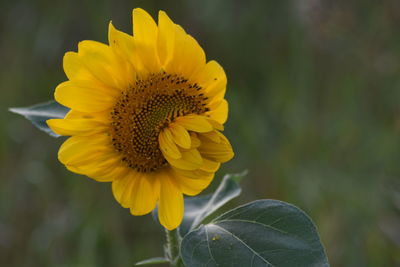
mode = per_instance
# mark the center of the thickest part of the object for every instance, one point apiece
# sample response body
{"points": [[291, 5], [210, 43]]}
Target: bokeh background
{"points": [[314, 92]]}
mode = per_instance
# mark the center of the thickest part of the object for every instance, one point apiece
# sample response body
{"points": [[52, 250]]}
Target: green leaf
{"points": [[152, 261], [260, 233], [201, 207], [38, 114]]}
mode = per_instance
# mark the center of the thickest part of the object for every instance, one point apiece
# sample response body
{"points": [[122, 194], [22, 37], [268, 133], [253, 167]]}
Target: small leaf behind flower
{"points": [[151, 261], [199, 208], [40, 113], [260, 233]]}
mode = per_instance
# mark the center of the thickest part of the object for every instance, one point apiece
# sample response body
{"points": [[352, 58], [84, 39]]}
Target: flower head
{"points": [[146, 114]]}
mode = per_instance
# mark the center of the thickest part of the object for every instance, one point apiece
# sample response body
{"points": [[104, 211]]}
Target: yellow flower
{"points": [[146, 114]]}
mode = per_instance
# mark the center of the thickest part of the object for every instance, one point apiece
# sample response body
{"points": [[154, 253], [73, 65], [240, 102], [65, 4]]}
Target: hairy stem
{"points": [[172, 249]]}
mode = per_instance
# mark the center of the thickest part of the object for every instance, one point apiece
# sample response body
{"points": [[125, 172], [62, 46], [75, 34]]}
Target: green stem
{"points": [[173, 245]]}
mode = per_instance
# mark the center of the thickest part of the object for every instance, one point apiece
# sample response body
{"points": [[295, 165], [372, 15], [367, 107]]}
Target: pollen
{"points": [[147, 107]]}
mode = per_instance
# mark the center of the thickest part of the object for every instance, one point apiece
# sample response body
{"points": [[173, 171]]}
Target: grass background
{"points": [[314, 93]]}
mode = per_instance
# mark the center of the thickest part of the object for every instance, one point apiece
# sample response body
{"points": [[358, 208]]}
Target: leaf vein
{"points": [[254, 222], [241, 241], [208, 245]]}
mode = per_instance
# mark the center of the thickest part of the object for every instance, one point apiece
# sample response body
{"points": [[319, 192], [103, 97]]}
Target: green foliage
{"points": [[261, 233], [38, 114]]}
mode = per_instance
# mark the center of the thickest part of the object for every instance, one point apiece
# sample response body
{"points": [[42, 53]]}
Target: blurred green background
{"points": [[314, 92]]}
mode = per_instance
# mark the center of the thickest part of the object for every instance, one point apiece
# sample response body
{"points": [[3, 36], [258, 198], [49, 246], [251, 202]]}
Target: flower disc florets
{"points": [[144, 110]]}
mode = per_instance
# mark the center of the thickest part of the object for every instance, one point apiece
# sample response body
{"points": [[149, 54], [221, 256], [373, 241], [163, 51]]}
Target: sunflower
{"points": [[146, 113]]}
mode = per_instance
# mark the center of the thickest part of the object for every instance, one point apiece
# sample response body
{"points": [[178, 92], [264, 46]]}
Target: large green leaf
{"points": [[260, 233], [38, 114], [201, 207]]}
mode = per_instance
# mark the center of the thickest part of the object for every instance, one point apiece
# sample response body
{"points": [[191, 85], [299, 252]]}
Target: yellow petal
{"points": [[188, 57], [74, 114], [89, 156], [82, 96], [180, 135], [110, 175], [145, 34], [166, 37], [220, 112], [101, 61], [76, 127], [167, 145], [123, 46], [75, 69], [193, 174], [219, 152], [194, 140], [96, 162], [107, 171], [211, 73], [170, 208], [213, 79], [122, 188], [145, 194], [190, 186], [213, 136], [144, 27], [195, 123], [190, 160], [218, 126], [77, 149], [210, 166]]}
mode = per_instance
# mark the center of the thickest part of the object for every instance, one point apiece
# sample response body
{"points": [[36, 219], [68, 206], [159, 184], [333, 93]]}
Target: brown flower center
{"points": [[144, 110]]}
